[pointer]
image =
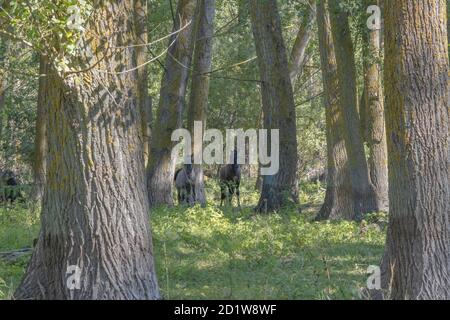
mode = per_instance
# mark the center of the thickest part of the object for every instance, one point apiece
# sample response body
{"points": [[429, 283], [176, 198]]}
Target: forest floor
{"points": [[225, 253]]}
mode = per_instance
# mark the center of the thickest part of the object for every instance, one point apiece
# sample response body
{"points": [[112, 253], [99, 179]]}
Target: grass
{"points": [[225, 253]]}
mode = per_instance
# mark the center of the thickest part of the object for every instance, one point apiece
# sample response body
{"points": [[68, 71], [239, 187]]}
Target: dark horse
{"points": [[230, 179], [184, 182], [8, 187]]}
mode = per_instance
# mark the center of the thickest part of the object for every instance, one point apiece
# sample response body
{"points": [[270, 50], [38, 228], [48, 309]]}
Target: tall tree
{"points": [[95, 240], [40, 135], [338, 202], [3, 80], [417, 257], [198, 102], [5, 47], [278, 104], [144, 101], [362, 190], [298, 55], [171, 104], [374, 115]]}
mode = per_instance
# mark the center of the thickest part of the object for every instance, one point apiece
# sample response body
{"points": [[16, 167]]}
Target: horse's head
{"points": [[189, 169]]}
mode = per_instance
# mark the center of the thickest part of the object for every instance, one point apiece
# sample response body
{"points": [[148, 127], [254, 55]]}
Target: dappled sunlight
{"points": [[223, 253]]}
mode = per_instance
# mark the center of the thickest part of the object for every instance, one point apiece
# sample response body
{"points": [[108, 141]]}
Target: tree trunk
{"points": [[304, 35], [3, 82], [40, 136], [417, 257], [198, 103], [278, 105], [259, 177], [95, 224], [338, 202], [362, 189], [374, 116], [448, 22], [171, 103], [144, 102]]}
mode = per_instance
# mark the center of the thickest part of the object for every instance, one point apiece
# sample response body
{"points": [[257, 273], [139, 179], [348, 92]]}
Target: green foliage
{"points": [[18, 227], [225, 253], [219, 253], [18, 115], [50, 27]]}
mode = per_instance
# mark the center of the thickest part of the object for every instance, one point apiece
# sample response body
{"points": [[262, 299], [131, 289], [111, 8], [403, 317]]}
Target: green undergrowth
{"points": [[229, 253]]}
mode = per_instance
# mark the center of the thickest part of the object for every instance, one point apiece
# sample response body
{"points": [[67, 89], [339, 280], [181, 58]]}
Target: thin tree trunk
{"points": [[374, 116], [144, 102], [278, 104], [448, 22], [198, 103], [259, 177], [3, 82], [95, 213], [171, 103], [304, 35], [416, 264], [3, 86], [338, 202], [362, 189], [39, 166]]}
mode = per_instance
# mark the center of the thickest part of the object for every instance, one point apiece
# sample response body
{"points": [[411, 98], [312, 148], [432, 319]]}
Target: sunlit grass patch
{"points": [[227, 253]]}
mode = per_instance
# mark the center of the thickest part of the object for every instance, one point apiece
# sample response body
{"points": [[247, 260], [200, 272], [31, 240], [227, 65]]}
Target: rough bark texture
{"points": [[198, 103], [40, 137], [374, 116], [144, 101], [95, 208], [363, 191], [338, 202], [417, 257], [161, 167], [278, 104], [304, 35], [448, 23]]}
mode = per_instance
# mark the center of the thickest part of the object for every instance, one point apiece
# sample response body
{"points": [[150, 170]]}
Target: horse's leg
{"points": [[238, 195], [230, 194], [194, 197], [187, 194], [179, 196], [183, 195], [222, 194]]}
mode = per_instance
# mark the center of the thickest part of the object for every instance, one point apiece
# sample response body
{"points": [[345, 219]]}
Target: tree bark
{"points": [[278, 105], [374, 116], [144, 101], [40, 135], [304, 35], [198, 103], [161, 167], [3, 83], [362, 189], [338, 202], [95, 222], [417, 256]]}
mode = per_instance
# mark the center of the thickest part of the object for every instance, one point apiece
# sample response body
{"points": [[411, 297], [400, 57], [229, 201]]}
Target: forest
{"points": [[224, 149]]}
